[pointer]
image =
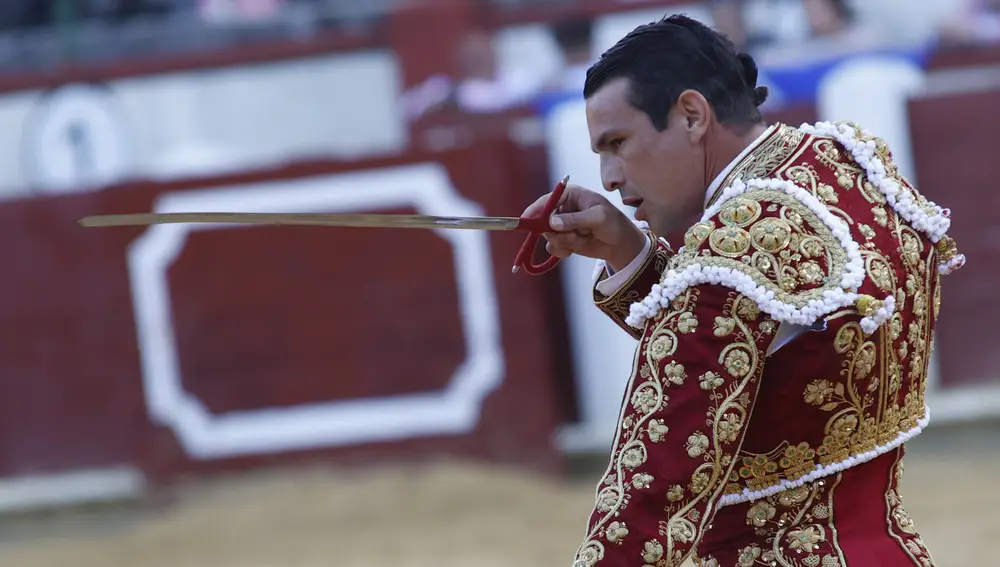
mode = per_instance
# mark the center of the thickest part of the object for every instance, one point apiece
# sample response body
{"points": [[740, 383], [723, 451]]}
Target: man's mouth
{"points": [[636, 203]]}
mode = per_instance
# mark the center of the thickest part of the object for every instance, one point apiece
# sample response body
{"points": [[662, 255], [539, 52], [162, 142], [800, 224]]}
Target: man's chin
{"points": [[672, 228]]}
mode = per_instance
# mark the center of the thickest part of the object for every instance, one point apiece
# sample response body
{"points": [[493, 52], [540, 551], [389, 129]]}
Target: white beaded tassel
{"points": [[822, 471], [935, 225], [674, 283]]}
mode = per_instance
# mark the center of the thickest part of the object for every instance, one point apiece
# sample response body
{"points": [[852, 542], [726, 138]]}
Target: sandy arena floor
{"points": [[447, 516]]}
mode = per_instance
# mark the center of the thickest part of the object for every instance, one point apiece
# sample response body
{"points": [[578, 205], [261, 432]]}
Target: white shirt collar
{"points": [[714, 186]]}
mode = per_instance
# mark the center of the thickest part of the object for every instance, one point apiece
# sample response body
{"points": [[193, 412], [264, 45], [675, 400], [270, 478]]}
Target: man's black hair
{"points": [[662, 59]]}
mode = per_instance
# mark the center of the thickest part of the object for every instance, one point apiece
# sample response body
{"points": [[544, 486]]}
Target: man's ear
{"points": [[695, 113]]}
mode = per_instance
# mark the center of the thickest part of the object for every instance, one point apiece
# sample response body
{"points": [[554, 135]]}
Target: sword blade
{"points": [[307, 219]]}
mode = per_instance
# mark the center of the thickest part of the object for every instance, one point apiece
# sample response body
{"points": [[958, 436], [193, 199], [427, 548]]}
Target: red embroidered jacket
{"points": [[814, 237]]}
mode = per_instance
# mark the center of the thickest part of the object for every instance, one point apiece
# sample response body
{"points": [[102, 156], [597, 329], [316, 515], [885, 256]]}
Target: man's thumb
{"points": [[590, 218]]}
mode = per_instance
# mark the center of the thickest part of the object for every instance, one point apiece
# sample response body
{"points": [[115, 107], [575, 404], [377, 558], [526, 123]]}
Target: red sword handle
{"points": [[536, 226]]}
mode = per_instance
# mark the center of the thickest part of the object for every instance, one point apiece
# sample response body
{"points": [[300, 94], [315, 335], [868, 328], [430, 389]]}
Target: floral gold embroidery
{"points": [[675, 494], [697, 234], [765, 159], [663, 346], [640, 427], [674, 373], [760, 514], [653, 551], [687, 323], [616, 532], [805, 539], [796, 525], [737, 362], [771, 235], [740, 212], [696, 444], [729, 241], [880, 216], [657, 430], [812, 252], [724, 326], [710, 381]]}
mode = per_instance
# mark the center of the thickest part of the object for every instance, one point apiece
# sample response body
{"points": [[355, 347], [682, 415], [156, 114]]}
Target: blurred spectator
{"points": [[833, 31], [729, 20], [576, 45], [480, 85], [976, 23]]}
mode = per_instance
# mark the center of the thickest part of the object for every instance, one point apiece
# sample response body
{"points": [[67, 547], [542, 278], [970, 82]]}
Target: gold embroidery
{"points": [[740, 212], [796, 256], [663, 345], [866, 231], [729, 241], [737, 361], [653, 551], [880, 216], [797, 526], [878, 393], [879, 271], [899, 522], [617, 306], [849, 174], [771, 235], [650, 380], [724, 326], [765, 159], [698, 233], [710, 381], [727, 414]]}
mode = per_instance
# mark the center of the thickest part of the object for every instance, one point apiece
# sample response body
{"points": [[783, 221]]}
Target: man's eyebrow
{"points": [[601, 143]]}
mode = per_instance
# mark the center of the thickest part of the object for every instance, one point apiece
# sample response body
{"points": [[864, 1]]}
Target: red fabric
{"points": [[822, 519], [667, 464], [834, 402]]}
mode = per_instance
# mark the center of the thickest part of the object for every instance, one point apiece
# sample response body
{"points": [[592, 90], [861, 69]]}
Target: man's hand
{"points": [[586, 223]]}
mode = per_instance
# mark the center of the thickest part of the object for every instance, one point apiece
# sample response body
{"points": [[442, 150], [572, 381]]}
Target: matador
{"points": [[783, 345]]}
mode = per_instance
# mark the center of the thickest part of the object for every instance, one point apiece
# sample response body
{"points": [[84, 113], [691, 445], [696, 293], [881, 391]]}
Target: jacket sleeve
{"points": [[637, 281], [692, 391], [768, 254]]}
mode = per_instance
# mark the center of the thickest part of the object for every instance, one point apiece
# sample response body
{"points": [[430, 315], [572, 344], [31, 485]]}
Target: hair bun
{"points": [[750, 76], [760, 95], [749, 69]]}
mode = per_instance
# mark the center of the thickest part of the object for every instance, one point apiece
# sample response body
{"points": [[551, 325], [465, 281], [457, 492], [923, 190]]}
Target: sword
{"points": [[319, 219], [534, 225]]}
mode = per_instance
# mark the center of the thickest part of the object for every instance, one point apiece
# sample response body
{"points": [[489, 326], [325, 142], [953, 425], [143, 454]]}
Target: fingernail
{"points": [[556, 222]]}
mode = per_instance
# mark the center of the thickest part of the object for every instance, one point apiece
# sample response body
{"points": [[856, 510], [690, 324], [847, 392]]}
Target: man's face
{"points": [[659, 173]]}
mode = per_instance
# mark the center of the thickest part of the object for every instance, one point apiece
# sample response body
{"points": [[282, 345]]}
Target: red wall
{"points": [[264, 318], [955, 149]]}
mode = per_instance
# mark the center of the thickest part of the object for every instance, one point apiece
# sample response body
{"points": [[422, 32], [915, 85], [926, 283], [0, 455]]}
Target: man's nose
{"points": [[612, 177]]}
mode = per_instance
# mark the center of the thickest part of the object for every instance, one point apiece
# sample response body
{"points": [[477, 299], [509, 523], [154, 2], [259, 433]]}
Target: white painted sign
{"points": [[453, 410]]}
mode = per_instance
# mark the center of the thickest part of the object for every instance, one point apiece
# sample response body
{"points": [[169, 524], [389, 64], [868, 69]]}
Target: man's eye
{"points": [[616, 144]]}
